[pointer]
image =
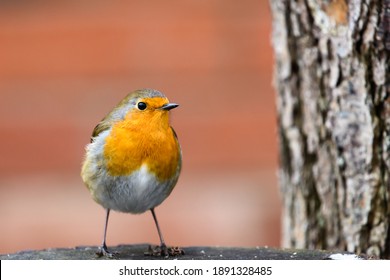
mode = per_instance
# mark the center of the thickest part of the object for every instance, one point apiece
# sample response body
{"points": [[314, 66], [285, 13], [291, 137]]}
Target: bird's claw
{"points": [[103, 251], [164, 251]]}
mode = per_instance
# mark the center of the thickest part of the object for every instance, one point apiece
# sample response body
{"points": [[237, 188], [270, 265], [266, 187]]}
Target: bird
{"points": [[134, 159]]}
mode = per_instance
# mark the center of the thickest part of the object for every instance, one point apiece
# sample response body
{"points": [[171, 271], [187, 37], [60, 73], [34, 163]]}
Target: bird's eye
{"points": [[141, 106]]}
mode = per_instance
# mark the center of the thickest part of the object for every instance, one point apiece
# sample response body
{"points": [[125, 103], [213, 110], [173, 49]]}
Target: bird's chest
{"points": [[126, 150]]}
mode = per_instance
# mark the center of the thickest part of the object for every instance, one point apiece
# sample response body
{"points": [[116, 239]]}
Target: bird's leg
{"points": [[163, 246], [163, 250], [103, 250]]}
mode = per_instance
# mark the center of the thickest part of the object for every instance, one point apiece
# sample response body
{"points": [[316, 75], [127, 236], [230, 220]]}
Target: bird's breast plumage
{"points": [[129, 147]]}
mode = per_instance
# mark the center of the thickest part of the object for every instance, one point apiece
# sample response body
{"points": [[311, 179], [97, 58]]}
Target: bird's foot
{"points": [[103, 251], [164, 251], [176, 251]]}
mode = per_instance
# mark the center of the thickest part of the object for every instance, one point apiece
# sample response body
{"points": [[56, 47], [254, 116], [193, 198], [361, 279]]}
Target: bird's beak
{"points": [[169, 106]]}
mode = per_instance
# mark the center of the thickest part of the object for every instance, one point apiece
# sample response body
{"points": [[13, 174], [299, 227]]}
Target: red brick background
{"points": [[65, 64]]}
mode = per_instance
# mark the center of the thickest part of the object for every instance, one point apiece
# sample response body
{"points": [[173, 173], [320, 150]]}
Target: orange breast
{"points": [[145, 139]]}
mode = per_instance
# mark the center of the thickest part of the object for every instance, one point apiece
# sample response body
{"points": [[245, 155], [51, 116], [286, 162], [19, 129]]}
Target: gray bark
{"points": [[333, 101]]}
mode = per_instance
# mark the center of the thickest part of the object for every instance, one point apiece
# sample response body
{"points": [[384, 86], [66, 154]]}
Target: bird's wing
{"points": [[104, 125]]}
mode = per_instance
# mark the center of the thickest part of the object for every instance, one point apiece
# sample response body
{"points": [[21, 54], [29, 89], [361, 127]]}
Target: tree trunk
{"points": [[333, 100]]}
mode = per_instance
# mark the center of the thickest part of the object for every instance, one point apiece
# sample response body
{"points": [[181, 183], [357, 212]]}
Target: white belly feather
{"points": [[134, 193]]}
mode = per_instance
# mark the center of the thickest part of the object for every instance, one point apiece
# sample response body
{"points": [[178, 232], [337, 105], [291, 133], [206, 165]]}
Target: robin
{"points": [[134, 159]]}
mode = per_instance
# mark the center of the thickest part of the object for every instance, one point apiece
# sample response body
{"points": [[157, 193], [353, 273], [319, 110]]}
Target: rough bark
{"points": [[333, 101]]}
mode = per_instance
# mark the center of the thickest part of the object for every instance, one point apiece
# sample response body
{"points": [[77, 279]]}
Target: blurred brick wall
{"points": [[65, 64]]}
